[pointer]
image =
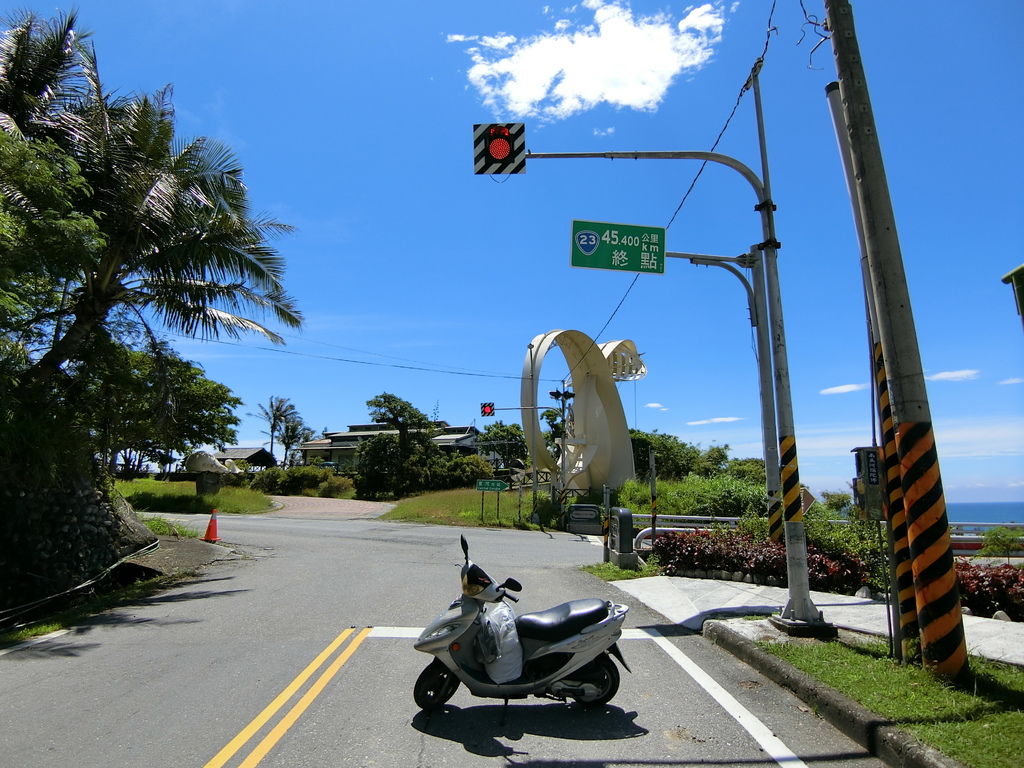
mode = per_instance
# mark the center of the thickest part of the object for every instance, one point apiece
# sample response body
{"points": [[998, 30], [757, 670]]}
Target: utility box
{"points": [[620, 538], [584, 519]]}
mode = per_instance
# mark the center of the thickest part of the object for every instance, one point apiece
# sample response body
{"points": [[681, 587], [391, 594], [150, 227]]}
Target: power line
{"points": [[746, 86], [278, 350]]}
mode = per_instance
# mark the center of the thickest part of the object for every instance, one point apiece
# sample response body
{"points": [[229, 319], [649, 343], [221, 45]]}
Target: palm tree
{"points": [[276, 413], [39, 71], [294, 433], [178, 242]]}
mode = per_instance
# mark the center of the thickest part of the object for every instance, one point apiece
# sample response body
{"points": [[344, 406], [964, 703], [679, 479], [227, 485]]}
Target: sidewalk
{"points": [[690, 602]]}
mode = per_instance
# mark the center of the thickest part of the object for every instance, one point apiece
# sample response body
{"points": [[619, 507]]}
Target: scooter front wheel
{"points": [[602, 673], [435, 685]]}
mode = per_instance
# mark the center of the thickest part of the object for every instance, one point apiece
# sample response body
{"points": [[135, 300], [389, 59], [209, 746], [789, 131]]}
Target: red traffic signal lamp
{"points": [[499, 148], [486, 409]]}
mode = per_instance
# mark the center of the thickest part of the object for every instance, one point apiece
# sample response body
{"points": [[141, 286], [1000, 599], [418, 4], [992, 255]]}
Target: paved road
{"points": [[254, 663], [310, 508]]}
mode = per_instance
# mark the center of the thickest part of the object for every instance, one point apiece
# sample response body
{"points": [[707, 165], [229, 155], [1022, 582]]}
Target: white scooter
{"points": [[566, 650]]}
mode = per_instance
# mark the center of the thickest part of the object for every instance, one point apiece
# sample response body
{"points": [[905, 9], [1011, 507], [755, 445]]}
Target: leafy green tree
{"points": [[175, 241], [674, 459], [712, 461], [379, 464], [399, 414], [146, 405], [838, 503], [134, 224], [294, 432], [1002, 541], [748, 470], [507, 441], [399, 464], [276, 413]]}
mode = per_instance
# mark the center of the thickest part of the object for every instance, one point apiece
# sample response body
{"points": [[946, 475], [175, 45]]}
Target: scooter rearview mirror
{"points": [[512, 584], [465, 547]]}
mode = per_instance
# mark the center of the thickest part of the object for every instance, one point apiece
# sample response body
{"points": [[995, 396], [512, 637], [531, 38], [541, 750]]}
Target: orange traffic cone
{"points": [[211, 528]]}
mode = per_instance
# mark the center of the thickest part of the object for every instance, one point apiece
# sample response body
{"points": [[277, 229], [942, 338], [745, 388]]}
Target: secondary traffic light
{"points": [[499, 148], [486, 409]]}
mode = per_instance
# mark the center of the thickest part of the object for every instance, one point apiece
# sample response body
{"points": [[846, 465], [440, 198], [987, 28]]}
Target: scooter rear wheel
{"points": [[602, 673], [435, 685]]}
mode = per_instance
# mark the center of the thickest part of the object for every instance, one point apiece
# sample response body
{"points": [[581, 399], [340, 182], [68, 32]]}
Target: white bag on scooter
{"points": [[499, 643]]}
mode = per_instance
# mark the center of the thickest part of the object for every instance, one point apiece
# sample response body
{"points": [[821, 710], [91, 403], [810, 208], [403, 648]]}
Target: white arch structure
{"points": [[598, 450]]}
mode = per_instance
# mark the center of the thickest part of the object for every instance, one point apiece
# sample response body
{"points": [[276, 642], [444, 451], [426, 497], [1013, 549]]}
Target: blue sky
{"points": [[354, 123]]}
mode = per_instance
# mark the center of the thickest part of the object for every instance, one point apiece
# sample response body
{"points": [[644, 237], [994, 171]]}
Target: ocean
{"points": [[985, 511]]}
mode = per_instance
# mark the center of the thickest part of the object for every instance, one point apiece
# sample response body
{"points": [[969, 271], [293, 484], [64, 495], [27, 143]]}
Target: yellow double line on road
{"points": [[267, 743]]}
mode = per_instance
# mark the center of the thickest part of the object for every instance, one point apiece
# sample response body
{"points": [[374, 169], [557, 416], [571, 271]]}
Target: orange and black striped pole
{"points": [[895, 515], [943, 646]]}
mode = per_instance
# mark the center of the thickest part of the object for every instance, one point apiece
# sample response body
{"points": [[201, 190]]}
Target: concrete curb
{"points": [[877, 735]]}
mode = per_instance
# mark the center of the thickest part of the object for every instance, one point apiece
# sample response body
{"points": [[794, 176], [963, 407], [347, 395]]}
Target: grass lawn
{"points": [[982, 728], [462, 507], [149, 495]]}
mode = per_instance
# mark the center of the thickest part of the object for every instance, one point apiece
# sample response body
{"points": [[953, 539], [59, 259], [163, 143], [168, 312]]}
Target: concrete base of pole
{"points": [[800, 617], [794, 628], [626, 560]]}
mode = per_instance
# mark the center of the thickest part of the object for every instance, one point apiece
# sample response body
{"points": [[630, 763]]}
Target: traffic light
{"points": [[499, 148], [486, 409]]}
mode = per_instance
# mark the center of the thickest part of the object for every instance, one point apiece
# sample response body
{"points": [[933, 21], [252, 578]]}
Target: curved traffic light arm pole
{"points": [[800, 607], [766, 388]]}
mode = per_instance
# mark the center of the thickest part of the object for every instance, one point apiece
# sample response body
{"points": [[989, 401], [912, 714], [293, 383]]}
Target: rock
{"points": [[966, 611], [865, 592], [1001, 616], [737, 576], [748, 579]]}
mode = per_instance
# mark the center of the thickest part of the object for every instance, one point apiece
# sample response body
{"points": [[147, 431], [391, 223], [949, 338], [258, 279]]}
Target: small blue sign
{"points": [[587, 241]]}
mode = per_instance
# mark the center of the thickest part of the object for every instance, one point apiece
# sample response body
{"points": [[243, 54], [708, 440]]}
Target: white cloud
{"points": [[843, 389], [964, 375], [604, 131], [498, 43], [619, 59], [716, 420], [656, 406], [1012, 381]]}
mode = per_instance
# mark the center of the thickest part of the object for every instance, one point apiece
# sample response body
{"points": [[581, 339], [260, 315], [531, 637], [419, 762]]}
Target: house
{"points": [[255, 457], [340, 447]]}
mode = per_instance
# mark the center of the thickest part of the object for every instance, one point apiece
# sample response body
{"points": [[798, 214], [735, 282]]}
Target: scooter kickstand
{"points": [[504, 713]]}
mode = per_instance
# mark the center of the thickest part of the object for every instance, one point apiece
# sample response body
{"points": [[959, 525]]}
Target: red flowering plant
{"points": [[986, 589]]}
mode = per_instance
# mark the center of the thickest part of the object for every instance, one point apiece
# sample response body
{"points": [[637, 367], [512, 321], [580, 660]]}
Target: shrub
{"points": [[719, 496], [987, 589], [300, 481], [335, 487], [268, 481], [730, 551], [464, 471]]}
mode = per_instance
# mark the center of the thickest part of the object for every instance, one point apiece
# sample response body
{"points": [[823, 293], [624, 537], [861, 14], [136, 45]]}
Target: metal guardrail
{"points": [[967, 537]]}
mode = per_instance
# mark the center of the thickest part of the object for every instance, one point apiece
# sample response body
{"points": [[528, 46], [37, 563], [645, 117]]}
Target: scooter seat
{"points": [[562, 621]]}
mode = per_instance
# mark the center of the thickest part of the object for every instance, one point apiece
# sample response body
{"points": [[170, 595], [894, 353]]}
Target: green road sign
{"points": [[600, 245], [491, 485]]}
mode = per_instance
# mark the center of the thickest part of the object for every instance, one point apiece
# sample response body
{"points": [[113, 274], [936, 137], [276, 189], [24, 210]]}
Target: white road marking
{"points": [[770, 743]]}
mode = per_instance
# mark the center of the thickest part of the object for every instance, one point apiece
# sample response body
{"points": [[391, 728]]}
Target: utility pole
{"points": [[902, 605], [943, 646]]}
